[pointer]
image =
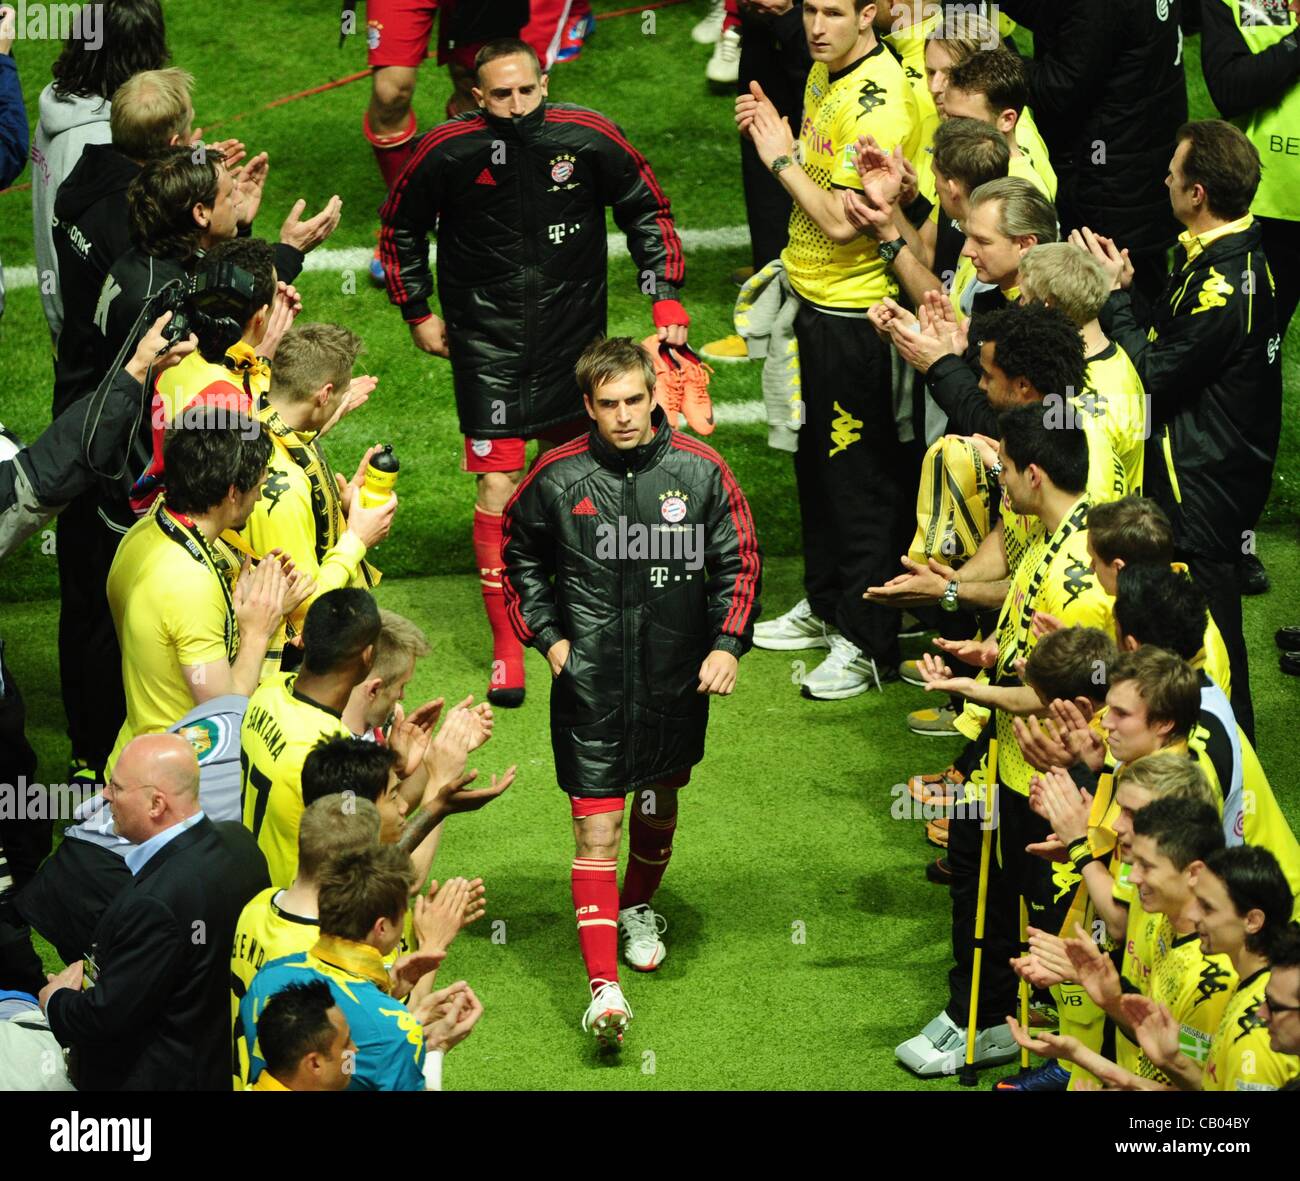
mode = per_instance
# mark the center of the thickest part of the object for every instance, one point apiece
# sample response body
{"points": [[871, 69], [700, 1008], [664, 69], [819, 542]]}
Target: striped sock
{"points": [[649, 850], [595, 903]]}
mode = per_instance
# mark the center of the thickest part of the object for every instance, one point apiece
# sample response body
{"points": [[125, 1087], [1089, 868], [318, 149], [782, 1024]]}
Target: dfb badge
{"points": [[672, 507]]}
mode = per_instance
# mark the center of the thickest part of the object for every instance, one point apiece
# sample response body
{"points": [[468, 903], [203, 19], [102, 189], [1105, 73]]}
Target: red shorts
{"points": [[397, 34], [507, 455], [584, 806]]}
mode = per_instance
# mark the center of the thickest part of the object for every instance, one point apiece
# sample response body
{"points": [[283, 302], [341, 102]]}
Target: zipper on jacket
{"points": [[528, 208], [629, 638]]}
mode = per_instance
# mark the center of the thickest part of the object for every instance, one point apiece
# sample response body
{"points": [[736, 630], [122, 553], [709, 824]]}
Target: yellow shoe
{"points": [[726, 350]]}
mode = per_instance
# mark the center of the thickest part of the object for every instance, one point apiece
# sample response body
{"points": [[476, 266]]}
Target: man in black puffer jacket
{"points": [[633, 566], [517, 192], [1108, 92]]}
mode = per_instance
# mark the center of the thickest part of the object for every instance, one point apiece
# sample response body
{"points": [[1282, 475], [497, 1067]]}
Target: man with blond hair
{"points": [[305, 510], [157, 1014], [1061, 276]]}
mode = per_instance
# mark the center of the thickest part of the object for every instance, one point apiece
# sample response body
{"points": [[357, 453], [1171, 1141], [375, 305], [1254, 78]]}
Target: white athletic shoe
{"points": [[724, 65], [641, 927], [607, 1015], [844, 673], [940, 1048], [794, 631], [707, 31]]}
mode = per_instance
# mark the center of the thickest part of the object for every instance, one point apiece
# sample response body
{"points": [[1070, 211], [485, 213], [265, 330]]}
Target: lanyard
{"points": [[186, 534], [1011, 639], [327, 507]]}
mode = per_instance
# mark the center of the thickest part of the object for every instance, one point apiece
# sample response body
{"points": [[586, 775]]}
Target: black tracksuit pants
{"points": [[857, 484]]}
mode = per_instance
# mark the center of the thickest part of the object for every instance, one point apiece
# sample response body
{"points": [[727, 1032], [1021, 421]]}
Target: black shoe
{"points": [[939, 872], [1289, 662], [506, 698], [1288, 638], [1252, 578]]}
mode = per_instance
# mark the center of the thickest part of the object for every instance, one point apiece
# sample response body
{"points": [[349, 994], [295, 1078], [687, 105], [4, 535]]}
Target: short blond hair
{"points": [[1063, 275], [311, 355], [964, 34], [400, 642], [1170, 774], [607, 360], [149, 108], [332, 825], [1024, 211]]}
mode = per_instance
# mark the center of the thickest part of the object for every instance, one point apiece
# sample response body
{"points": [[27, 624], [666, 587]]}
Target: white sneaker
{"points": [[844, 673], [940, 1048], [794, 631], [607, 1015], [707, 31], [724, 65], [641, 927]]}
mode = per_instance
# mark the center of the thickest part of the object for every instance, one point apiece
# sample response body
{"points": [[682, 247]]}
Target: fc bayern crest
{"points": [[481, 447], [372, 35], [561, 170], [673, 510]]}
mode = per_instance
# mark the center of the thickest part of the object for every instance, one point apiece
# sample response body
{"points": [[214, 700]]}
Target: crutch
{"points": [[968, 1075]]}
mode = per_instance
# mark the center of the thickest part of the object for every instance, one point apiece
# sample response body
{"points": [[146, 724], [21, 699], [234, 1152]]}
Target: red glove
{"points": [[669, 312]]}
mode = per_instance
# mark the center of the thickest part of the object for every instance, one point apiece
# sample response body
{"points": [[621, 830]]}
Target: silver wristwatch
{"points": [[780, 164], [949, 599]]}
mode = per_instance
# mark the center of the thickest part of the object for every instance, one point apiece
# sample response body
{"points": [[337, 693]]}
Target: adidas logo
{"points": [[584, 508], [485, 178]]}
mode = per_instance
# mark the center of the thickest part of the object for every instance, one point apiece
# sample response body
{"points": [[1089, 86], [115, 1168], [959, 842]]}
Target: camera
{"points": [[212, 303]]}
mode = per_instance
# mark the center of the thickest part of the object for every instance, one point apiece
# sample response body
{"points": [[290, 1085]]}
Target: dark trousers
{"points": [[70, 894], [23, 843], [90, 661], [1219, 582], [780, 67], [856, 482], [767, 207], [1282, 249], [1013, 874]]}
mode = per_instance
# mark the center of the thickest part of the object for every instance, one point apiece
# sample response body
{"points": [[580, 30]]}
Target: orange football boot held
{"points": [[682, 385]]}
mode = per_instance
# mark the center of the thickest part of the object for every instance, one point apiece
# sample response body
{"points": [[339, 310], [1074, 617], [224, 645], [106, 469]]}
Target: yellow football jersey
{"points": [[1053, 577], [1245, 788], [1240, 1055], [264, 932], [172, 608], [280, 728], [909, 44], [1115, 398], [1029, 141], [1022, 167], [1194, 987], [287, 517], [873, 97]]}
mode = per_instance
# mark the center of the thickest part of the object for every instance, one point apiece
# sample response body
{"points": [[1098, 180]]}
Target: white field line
{"points": [[357, 258]]}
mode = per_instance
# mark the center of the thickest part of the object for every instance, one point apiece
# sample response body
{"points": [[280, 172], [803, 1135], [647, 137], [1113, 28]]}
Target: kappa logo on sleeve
{"points": [[1214, 293], [871, 96]]}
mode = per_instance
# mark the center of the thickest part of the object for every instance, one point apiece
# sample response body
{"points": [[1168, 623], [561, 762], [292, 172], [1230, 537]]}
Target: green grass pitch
{"points": [[804, 941]]}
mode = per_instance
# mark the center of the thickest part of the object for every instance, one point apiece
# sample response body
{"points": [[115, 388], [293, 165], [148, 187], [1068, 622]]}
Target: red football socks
{"points": [[595, 905], [507, 652], [391, 151], [649, 850]]}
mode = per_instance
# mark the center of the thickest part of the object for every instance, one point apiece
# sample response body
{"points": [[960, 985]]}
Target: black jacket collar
{"points": [[527, 127], [639, 458], [187, 840]]}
